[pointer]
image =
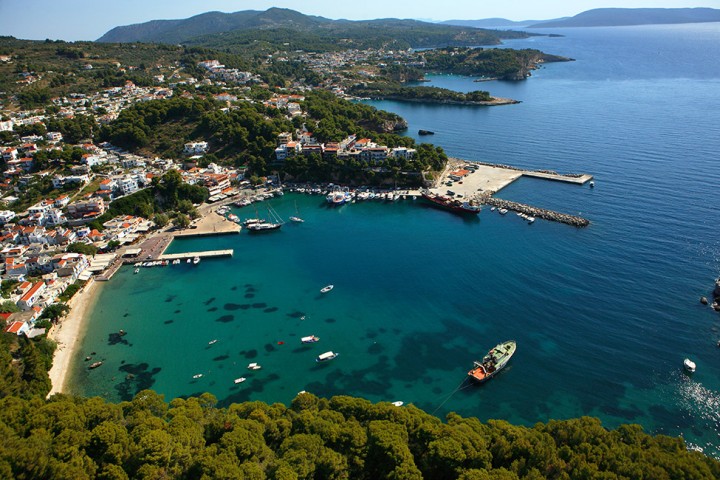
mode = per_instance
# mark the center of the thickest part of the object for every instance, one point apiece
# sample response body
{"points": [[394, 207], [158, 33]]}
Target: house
{"points": [[194, 148], [17, 327], [29, 299], [89, 208], [6, 216], [53, 136], [128, 185]]}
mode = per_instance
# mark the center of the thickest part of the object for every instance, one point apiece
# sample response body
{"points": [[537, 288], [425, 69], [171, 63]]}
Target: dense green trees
{"points": [[341, 437], [395, 91]]}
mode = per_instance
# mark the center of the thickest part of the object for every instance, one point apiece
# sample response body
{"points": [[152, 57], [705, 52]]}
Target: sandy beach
{"points": [[68, 334]]}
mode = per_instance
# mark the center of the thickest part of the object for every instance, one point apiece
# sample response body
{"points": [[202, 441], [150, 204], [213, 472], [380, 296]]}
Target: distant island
{"points": [[604, 17]]}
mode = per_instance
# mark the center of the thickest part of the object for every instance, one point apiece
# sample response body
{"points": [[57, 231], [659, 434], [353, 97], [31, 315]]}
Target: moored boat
{"points": [[95, 365], [254, 366], [310, 339], [240, 380], [196, 260], [327, 288], [296, 219], [689, 365], [450, 204], [198, 375], [212, 342], [495, 360], [327, 356]]}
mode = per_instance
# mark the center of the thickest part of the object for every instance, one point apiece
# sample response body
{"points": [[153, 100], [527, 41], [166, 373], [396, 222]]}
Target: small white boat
{"points": [[502, 211], [310, 339], [324, 357], [240, 380], [196, 260], [327, 289], [254, 366], [296, 219], [492, 209], [212, 342], [530, 219], [197, 375], [189, 260], [592, 184], [689, 365], [399, 403], [137, 270]]}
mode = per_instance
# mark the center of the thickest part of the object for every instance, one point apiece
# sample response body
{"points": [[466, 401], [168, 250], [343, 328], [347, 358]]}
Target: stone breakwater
{"points": [[535, 212]]}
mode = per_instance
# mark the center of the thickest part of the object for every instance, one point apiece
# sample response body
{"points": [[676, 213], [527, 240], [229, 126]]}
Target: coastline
{"points": [[68, 334]]}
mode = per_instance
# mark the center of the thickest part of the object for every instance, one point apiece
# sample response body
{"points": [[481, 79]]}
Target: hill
{"points": [[491, 23], [279, 26], [615, 17]]}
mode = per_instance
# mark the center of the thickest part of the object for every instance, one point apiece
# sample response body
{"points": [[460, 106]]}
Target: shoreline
{"points": [[68, 334]]}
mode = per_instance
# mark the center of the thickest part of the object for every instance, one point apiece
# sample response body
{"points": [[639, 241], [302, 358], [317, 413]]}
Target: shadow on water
{"points": [[251, 386], [115, 338], [138, 377], [212, 309], [209, 301], [226, 319]]}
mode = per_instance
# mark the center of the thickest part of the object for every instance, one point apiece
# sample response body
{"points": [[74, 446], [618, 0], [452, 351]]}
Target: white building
{"points": [[194, 148], [6, 216]]}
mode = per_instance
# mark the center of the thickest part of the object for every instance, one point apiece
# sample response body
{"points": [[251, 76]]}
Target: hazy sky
{"points": [[89, 19]]}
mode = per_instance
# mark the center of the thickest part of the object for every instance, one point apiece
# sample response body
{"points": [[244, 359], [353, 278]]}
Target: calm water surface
{"points": [[603, 316]]}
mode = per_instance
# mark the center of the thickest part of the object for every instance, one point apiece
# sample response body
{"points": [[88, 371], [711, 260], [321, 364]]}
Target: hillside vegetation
{"points": [[279, 26], [336, 438]]}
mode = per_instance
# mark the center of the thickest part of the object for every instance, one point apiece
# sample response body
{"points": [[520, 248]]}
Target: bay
{"points": [[603, 316]]}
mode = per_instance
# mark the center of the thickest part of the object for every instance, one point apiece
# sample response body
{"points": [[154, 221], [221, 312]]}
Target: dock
{"points": [[204, 254], [576, 179]]}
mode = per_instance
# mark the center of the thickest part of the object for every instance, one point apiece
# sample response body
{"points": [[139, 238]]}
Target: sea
{"points": [[603, 316]]}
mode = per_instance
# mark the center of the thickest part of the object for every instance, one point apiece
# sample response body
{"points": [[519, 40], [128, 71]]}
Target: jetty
{"points": [[536, 212], [479, 181], [203, 254]]}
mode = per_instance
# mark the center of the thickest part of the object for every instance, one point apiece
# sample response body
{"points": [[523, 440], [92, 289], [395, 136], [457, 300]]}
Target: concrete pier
{"points": [[577, 179], [204, 254]]}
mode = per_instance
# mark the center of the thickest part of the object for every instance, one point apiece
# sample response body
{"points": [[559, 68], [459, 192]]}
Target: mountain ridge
{"points": [[618, 17]]}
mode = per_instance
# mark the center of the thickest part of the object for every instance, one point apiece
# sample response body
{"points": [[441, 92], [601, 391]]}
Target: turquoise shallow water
{"points": [[603, 316]]}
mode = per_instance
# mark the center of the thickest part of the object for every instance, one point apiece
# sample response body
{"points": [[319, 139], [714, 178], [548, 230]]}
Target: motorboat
{"points": [[196, 260], [592, 184], [137, 270], [310, 339], [689, 365], [212, 342], [198, 375], [296, 219], [399, 403], [240, 380], [95, 365], [502, 211], [495, 360], [327, 289], [254, 366], [327, 356]]}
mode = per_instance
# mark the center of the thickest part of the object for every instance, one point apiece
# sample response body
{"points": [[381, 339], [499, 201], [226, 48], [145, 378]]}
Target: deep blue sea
{"points": [[603, 316]]}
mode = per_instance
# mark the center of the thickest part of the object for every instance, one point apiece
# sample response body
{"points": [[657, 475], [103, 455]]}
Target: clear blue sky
{"points": [[89, 19]]}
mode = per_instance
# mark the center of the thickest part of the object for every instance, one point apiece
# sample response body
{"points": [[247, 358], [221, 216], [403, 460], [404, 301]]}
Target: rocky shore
{"points": [[716, 296]]}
